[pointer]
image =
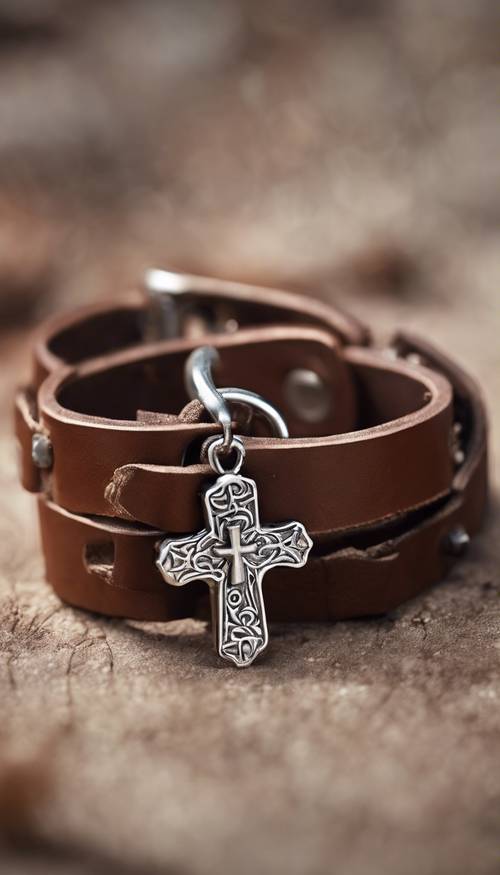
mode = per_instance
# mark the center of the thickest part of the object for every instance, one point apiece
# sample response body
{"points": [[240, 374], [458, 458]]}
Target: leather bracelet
{"points": [[385, 466]]}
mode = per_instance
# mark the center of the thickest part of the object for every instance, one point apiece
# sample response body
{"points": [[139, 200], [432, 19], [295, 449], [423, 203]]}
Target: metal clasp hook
{"points": [[200, 384]]}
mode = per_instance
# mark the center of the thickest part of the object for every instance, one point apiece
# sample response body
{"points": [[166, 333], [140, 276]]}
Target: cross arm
{"points": [[186, 559], [285, 544]]}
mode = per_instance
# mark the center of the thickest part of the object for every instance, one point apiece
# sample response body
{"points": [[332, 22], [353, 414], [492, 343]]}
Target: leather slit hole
{"points": [[100, 559]]}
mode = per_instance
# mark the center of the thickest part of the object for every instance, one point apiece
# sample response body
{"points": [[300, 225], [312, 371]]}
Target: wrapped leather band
{"points": [[374, 482]]}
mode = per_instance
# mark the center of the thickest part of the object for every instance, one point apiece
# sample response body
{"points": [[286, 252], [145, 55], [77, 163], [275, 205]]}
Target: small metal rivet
{"points": [[41, 451], [457, 541], [231, 325], [413, 358], [308, 395], [456, 449], [390, 352]]}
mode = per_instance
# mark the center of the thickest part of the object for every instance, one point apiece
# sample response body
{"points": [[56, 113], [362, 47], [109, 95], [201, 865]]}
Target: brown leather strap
{"points": [[377, 482]]}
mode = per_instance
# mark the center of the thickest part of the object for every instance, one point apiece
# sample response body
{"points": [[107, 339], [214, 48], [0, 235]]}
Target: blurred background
{"points": [[319, 144], [346, 148]]}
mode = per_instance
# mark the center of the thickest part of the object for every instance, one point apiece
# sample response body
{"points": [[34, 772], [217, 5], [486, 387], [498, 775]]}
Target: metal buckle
{"points": [[177, 309], [164, 289]]}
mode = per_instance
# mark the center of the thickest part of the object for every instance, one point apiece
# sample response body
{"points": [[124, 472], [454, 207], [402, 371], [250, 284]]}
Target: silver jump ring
{"points": [[256, 402], [216, 448]]}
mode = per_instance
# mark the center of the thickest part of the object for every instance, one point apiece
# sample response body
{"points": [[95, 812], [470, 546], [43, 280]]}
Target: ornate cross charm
{"points": [[232, 554]]}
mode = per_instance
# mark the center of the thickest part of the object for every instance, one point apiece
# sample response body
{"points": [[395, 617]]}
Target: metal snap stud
{"points": [[457, 541], [308, 395], [42, 452]]}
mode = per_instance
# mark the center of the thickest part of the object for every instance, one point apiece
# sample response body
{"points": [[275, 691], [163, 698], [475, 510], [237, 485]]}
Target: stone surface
{"points": [[361, 747]]}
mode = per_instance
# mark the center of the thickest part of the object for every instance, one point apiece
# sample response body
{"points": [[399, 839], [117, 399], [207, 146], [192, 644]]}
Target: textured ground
{"points": [[349, 149]]}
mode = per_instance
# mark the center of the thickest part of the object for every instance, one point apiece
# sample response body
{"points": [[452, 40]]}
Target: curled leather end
{"points": [[114, 490]]}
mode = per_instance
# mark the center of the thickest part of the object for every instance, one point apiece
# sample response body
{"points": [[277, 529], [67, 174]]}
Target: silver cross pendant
{"points": [[232, 554]]}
